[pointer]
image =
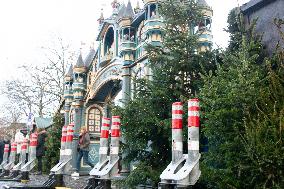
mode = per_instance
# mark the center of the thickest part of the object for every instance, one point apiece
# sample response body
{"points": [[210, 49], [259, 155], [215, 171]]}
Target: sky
{"points": [[29, 25]]}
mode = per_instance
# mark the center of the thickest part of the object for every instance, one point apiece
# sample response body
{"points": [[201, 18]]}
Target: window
{"points": [[94, 120], [71, 116]]}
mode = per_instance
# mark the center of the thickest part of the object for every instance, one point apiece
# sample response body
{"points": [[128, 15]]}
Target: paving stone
{"points": [[74, 183]]}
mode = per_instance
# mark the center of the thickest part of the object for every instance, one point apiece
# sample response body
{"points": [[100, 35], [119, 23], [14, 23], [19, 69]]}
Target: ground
{"points": [[40, 179]]}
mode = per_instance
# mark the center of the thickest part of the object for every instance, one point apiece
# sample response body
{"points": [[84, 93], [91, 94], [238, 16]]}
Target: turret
{"points": [[153, 23], [68, 81], [127, 34], [204, 27], [79, 75]]}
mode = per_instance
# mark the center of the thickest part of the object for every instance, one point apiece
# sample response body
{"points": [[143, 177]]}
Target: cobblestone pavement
{"points": [[70, 182]]}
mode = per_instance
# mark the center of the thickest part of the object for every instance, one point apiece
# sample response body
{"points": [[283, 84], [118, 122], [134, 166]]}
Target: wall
{"points": [[265, 23]]}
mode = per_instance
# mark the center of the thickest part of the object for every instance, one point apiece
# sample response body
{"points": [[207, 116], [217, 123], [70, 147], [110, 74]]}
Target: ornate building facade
{"points": [[107, 73]]}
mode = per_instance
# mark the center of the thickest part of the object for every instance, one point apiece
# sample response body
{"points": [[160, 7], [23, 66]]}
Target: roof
{"points": [[202, 3], [128, 11], [254, 5], [90, 57], [42, 122], [80, 62], [70, 71], [121, 11]]}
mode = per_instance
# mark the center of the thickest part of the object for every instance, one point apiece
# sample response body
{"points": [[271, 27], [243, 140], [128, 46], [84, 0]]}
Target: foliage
{"points": [[146, 119], [243, 104], [53, 143]]}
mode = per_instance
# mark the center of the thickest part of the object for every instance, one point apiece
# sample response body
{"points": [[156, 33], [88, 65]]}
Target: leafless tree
{"points": [[40, 90]]}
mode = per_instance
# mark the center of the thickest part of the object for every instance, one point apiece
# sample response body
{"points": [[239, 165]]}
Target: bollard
{"points": [[104, 140], [177, 147], [185, 171], [193, 138], [63, 167], [68, 144], [13, 153], [103, 152], [115, 136], [12, 157], [23, 155], [178, 159], [63, 143], [107, 169], [5, 157], [27, 167]]}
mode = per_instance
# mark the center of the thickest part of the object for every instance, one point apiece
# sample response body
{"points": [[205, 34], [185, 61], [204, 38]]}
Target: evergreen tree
{"points": [[176, 66], [53, 143], [243, 104]]}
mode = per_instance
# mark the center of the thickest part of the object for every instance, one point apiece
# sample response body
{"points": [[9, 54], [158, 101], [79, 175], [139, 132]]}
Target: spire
{"points": [[128, 11], [137, 8], [70, 71], [80, 62], [114, 4], [101, 19], [202, 3], [121, 11]]}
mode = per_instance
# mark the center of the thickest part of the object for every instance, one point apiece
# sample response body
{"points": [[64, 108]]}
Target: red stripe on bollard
{"points": [[104, 133], [193, 113], [64, 133], [115, 123], [6, 148], [14, 147], [193, 108], [115, 132], [177, 124], [70, 133], [33, 139], [177, 111], [193, 121]]}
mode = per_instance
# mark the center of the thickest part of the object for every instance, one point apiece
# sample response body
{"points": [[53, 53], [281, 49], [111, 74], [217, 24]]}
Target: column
{"points": [[125, 85], [77, 126]]}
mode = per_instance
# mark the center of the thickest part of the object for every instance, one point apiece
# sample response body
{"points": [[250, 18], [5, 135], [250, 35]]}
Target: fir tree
{"points": [[176, 65], [53, 143], [243, 104]]}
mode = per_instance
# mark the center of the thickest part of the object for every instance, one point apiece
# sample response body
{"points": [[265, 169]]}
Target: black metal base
{"points": [[172, 186], [15, 176], [52, 182], [94, 183], [4, 173]]}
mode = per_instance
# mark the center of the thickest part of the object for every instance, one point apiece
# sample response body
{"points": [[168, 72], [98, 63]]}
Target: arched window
{"points": [[109, 42], [94, 120]]}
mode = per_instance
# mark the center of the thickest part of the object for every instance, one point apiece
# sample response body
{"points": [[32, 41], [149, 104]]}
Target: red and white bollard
{"points": [[184, 171], [177, 146], [23, 156], [69, 140], [13, 152], [104, 139], [12, 158], [193, 129], [63, 143], [32, 147], [5, 156], [115, 136], [103, 152]]}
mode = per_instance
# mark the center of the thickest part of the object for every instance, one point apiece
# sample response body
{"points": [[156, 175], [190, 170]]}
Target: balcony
{"points": [[106, 59]]}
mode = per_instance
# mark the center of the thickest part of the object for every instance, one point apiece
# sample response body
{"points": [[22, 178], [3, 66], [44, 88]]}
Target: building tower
{"points": [[68, 93], [127, 47], [79, 88], [153, 23], [204, 27]]}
